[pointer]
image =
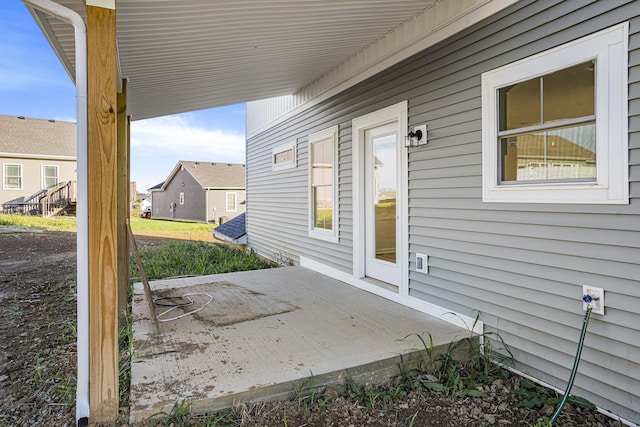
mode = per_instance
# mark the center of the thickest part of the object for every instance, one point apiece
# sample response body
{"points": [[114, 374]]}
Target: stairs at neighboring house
{"points": [[60, 199], [25, 205]]}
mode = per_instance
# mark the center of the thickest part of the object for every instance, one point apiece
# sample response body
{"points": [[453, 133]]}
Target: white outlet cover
{"points": [[425, 263]]}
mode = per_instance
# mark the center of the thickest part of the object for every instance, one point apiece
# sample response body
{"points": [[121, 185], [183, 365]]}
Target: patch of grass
{"points": [[171, 229], [65, 388], [37, 222], [184, 258], [37, 372], [16, 313], [177, 416], [125, 340], [370, 395], [446, 372], [411, 420], [69, 332], [307, 393], [222, 419], [138, 225]]}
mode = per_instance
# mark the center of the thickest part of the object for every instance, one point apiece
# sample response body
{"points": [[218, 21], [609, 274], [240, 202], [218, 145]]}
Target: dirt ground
{"points": [[38, 359], [37, 326]]}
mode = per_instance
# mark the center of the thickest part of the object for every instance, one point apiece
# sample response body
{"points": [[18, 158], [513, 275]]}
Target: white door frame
{"points": [[394, 113]]}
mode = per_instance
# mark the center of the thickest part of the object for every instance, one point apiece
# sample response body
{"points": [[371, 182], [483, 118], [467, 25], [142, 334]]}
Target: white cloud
{"points": [[177, 136], [158, 144]]}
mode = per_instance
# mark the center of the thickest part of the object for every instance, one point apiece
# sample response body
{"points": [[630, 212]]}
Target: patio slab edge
{"points": [[376, 372]]}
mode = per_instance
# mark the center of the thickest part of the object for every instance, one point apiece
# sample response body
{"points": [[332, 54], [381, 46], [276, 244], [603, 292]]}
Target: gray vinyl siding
{"points": [[32, 175], [218, 201], [194, 199], [280, 211], [520, 266]]}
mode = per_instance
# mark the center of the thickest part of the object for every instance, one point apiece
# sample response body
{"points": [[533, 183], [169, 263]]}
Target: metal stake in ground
{"points": [[145, 282]]}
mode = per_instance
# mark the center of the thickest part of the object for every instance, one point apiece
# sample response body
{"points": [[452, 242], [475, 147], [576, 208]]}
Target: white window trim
{"points": [[181, 197], [4, 171], [279, 149], [609, 48], [226, 200], [42, 177], [321, 233]]}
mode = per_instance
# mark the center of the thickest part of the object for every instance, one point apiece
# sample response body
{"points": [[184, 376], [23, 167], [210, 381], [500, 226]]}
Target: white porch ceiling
{"points": [[209, 53], [185, 55]]}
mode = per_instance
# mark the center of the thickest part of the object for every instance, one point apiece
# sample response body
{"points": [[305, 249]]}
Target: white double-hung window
{"points": [[49, 176], [323, 207], [232, 201], [555, 124], [12, 176]]}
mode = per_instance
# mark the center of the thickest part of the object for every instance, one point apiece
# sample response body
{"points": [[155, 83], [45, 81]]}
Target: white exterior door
{"points": [[380, 214]]}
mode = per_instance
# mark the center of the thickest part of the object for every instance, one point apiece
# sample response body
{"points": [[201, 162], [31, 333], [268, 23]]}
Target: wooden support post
{"points": [[123, 201], [103, 234]]}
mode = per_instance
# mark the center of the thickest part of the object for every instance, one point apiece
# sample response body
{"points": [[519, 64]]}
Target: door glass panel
{"points": [[385, 188]]}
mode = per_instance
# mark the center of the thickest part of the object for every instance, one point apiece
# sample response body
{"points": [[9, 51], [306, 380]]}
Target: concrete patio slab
{"points": [[263, 332]]}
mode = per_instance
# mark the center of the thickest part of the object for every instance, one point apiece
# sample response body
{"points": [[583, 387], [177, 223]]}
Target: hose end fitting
{"points": [[590, 300]]}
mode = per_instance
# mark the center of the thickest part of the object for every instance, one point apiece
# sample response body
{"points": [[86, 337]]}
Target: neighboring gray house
{"points": [[35, 155], [527, 190], [200, 191]]}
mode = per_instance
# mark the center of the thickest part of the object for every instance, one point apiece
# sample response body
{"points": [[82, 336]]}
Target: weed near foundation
{"points": [[175, 417], [536, 396], [306, 393]]}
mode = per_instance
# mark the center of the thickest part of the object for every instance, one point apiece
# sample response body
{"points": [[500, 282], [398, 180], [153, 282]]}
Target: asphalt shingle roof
{"points": [[216, 175], [234, 228], [19, 135], [156, 187]]}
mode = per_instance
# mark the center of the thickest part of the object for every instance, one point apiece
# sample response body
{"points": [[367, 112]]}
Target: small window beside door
{"points": [[323, 209]]}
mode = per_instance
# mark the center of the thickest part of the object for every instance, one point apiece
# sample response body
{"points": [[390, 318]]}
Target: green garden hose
{"points": [[588, 299]]}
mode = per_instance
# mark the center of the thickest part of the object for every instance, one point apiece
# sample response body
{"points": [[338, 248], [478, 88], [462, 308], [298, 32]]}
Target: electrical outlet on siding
{"points": [[422, 263]]}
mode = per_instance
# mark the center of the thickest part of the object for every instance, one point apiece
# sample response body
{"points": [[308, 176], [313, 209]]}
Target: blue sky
{"points": [[33, 83]]}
